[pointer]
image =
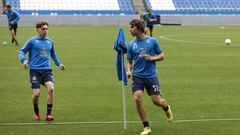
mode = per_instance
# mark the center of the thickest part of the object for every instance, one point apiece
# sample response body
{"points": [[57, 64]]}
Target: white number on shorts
{"points": [[156, 88]]}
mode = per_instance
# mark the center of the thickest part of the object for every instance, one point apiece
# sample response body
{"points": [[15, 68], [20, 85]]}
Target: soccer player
{"points": [[145, 51], [13, 18], [40, 49], [149, 18]]}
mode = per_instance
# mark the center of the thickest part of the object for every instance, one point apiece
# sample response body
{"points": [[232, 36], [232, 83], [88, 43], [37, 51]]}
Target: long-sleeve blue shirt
{"points": [[13, 16], [147, 19], [40, 51]]}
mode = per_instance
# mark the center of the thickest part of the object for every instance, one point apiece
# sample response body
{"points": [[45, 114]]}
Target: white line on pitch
{"points": [[110, 122], [204, 120], [184, 41]]}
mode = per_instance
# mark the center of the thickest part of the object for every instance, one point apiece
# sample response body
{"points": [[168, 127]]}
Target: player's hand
{"points": [[62, 67], [25, 65], [148, 57], [129, 74]]}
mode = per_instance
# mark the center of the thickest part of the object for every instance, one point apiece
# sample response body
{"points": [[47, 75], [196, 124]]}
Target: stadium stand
{"points": [[72, 7], [214, 7]]}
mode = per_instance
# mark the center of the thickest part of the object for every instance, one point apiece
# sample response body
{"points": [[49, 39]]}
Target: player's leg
{"points": [[145, 30], [153, 90], [158, 101], [35, 82], [139, 105], [50, 95], [15, 33], [48, 82], [35, 97], [137, 89], [11, 29], [138, 98], [151, 30]]}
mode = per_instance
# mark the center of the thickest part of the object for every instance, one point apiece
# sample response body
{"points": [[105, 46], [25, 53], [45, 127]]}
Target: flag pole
{"points": [[124, 95]]}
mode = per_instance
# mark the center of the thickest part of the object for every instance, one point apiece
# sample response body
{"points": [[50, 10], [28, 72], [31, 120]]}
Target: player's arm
{"points": [[158, 51], [17, 18], [22, 53], [153, 19], [158, 57], [56, 60], [129, 63], [129, 68]]}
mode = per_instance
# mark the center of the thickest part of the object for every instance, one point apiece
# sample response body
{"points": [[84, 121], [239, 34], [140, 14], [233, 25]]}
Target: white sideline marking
{"points": [[111, 122], [67, 123], [204, 120]]}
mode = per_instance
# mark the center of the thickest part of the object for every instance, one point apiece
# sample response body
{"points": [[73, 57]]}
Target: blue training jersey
{"points": [[147, 18], [13, 16], [40, 51], [136, 50]]}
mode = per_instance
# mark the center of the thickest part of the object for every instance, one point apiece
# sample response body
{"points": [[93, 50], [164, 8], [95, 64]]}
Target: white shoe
{"points": [[146, 131]]}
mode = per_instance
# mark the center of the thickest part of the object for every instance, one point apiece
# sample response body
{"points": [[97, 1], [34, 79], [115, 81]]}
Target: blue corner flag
{"points": [[120, 47]]}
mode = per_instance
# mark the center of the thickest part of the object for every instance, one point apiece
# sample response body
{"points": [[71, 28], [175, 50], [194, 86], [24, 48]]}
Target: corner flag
{"points": [[120, 47]]}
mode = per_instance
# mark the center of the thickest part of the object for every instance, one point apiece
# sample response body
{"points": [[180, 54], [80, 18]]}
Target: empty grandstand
{"points": [[219, 7], [74, 7], [124, 7]]}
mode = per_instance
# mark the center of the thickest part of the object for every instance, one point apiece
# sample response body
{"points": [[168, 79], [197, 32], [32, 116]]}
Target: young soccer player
{"points": [[13, 18], [145, 51], [40, 49]]}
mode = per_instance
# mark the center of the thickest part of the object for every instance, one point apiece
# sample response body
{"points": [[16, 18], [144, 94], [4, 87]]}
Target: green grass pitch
{"points": [[199, 78]]}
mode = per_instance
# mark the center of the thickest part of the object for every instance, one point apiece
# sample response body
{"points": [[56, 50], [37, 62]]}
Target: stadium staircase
{"points": [[139, 6], [1, 7]]}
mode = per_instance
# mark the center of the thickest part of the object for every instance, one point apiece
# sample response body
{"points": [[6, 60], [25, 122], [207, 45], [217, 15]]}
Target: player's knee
{"points": [[137, 99], [36, 94], [50, 90]]}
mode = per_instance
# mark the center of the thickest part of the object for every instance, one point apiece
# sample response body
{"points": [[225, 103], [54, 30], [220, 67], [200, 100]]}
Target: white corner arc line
{"points": [[184, 41]]}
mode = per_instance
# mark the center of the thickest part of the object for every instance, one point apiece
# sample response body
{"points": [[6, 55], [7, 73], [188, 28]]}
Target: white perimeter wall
{"points": [[124, 20]]}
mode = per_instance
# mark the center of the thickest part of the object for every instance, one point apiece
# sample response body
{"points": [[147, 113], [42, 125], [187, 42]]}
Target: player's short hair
{"points": [[8, 6], [139, 24], [41, 23]]}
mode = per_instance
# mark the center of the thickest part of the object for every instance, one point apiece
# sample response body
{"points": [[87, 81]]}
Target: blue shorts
{"points": [[150, 84], [13, 27], [38, 77], [150, 27]]}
